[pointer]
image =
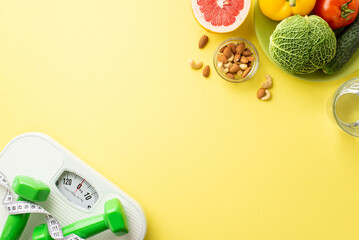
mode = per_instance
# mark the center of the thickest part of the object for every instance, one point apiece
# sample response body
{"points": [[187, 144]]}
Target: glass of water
{"points": [[344, 106]]}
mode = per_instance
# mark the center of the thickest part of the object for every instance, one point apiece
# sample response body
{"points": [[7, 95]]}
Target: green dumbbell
{"points": [[28, 189], [114, 218]]}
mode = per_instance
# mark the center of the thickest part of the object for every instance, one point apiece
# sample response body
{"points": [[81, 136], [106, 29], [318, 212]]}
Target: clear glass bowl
{"points": [[254, 64], [340, 109]]}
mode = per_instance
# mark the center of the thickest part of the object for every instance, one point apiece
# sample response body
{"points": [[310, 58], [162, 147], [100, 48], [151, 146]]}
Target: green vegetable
{"points": [[302, 45], [338, 32], [348, 43]]}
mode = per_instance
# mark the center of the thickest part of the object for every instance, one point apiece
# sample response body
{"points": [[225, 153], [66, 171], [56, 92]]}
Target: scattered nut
{"points": [[232, 47], [227, 52], [250, 58], [195, 65], [228, 65], [244, 59], [267, 96], [206, 71], [237, 57], [245, 73], [203, 41], [235, 68], [268, 82], [231, 58], [264, 93], [230, 75], [240, 48], [222, 49], [247, 53], [243, 66], [222, 58], [261, 93], [220, 66]]}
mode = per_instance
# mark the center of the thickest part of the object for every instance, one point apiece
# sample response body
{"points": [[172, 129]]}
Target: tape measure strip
{"points": [[23, 207]]}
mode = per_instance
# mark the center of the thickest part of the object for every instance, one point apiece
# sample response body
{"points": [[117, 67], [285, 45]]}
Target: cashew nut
{"points": [[231, 58], [239, 73], [268, 82], [267, 96], [195, 65], [243, 66], [220, 66], [228, 65]]}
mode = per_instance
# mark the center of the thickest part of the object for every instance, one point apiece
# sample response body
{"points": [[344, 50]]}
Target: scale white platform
{"points": [[37, 155]]}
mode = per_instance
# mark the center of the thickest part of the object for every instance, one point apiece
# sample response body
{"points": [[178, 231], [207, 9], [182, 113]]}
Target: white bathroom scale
{"points": [[39, 156]]}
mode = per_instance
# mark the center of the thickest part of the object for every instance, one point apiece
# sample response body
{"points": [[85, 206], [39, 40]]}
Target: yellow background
{"points": [[110, 81]]}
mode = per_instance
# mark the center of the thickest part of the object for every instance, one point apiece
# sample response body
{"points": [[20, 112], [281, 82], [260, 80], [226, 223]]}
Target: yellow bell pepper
{"points": [[281, 9]]}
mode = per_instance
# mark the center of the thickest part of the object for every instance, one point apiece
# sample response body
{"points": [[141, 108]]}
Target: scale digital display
{"points": [[77, 190]]}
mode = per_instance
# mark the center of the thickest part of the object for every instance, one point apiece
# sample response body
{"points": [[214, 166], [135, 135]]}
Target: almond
{"points": [[261, 93], [222, 49], [203, 41], [235, 68], [245, 72], [244, 59], [222, 58], [206, 71], [251, 58], [227, 52], [230, 75], [237, 57], [240, 48], [247, 53], [232, 47]]}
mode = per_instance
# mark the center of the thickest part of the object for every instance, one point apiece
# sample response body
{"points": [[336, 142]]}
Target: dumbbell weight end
{"points": [[84, 230], [15, 225], [113, 219]]}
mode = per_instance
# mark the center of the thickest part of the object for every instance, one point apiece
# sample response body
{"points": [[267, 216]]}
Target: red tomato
{"points": [[337, 13]]}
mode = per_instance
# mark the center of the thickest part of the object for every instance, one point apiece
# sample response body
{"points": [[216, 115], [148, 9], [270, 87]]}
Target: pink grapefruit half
{"points": [[220, 15]]}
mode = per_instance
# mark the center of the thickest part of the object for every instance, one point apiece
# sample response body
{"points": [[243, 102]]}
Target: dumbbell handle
{"points": [[15, 225], [84, 228]]}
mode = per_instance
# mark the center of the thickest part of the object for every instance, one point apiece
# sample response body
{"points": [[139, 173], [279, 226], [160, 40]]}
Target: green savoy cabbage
{"points": [[302, 45]]}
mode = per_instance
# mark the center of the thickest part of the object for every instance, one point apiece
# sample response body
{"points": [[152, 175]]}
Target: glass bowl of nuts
{"points": [[236, 60]]}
